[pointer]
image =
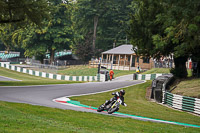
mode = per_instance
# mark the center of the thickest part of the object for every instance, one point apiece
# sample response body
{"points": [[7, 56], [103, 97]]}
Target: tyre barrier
{"points": [[98, 77]]}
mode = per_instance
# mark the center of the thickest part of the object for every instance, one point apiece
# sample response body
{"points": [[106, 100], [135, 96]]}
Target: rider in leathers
{"points": [[120, 95]]}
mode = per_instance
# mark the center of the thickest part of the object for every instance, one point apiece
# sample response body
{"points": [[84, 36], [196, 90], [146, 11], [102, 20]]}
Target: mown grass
{"points": [[164, 70], [17, 118], [189, 87], [86, 71], [79, 71], [27, 79], [24, 118], [138, 105], [157, 70], [121, 72]]}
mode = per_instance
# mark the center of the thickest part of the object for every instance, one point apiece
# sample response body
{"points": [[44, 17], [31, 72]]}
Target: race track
{"points": [[43, 95], [2, 78]]}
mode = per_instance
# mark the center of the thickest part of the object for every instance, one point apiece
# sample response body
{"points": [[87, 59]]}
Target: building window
{"points": [[146, 60], [138, 59], [114, 60], [129, 58], [104, 56], [110, 57]]}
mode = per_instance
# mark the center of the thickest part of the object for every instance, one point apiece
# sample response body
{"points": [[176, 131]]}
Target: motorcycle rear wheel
{"points": [[100, 108]]}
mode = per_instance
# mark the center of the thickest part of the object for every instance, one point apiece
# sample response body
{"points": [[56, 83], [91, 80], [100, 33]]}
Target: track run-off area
{"points": [[57, 96]]}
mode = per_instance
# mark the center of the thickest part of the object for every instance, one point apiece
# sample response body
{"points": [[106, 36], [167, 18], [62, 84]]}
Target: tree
{"points": [[181, 31], [159, 28], [143, 27], [107, 20], [23, 12], [2, 47], [87, 15], [18, 15], [84, 49], [57, 35], [6, 38], [114, 24]]}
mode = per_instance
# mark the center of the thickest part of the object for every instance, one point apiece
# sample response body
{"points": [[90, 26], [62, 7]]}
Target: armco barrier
{"points": [[184, 103], [147, 76], [99, 77]]}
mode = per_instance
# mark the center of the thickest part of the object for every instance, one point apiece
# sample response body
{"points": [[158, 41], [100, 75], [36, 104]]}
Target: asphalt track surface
{"points": [[2, 78], [45, 95]]}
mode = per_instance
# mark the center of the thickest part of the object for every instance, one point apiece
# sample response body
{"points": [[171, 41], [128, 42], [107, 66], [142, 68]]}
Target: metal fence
{"points": [[45, 68], [65, 62], [56, 65]]}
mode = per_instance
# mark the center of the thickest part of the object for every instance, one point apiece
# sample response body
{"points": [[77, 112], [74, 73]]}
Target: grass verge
{"points": [[27, 79], [138, 105], [15, 117], [18, 118], [164, 70], [85, 71], [157, 70], [189, 88], [79, 71]]}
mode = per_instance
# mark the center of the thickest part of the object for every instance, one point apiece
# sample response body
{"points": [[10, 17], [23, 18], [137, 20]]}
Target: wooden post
{"points": [[112, 58], [106, 58], [101, 58], [118, 61], [108, 61], [131, 61], [112, 61], [124, 62]]}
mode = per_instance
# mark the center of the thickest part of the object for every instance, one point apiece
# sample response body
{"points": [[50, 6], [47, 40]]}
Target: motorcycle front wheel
{"points": [[111, 110]]}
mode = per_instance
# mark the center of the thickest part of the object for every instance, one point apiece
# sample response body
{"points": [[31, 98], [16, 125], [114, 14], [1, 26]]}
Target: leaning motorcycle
{"points": [[112, 107]]}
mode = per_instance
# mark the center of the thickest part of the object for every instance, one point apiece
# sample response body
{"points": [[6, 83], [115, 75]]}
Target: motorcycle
{"points": [[111, 107]]}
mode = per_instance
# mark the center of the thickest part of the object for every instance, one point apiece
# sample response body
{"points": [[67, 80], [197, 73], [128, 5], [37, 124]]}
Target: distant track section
{"points": [[2, 78]]}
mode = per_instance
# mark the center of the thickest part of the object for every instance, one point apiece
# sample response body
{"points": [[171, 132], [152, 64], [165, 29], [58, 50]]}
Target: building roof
{"points": [[122, 49]]}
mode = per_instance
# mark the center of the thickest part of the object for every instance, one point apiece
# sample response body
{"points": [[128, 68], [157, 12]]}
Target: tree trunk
{"points": [[40, 58], [52, 53], [180, 70], [196, 67], [94, 34]]}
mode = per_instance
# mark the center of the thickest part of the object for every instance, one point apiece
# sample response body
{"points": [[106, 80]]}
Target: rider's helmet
{"points": [[122, 92]]}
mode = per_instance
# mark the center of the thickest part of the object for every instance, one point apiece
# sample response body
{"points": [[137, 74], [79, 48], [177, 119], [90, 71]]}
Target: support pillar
{"points": [[107, 58], [131, 62], [112, 61], [101, 59], [118, 62], [109, 61], [124, 62]]}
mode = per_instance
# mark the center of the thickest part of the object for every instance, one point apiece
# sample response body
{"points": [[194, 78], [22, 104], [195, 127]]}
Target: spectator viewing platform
{"points": [[4, 55], [60, 54], [124, 57]]}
